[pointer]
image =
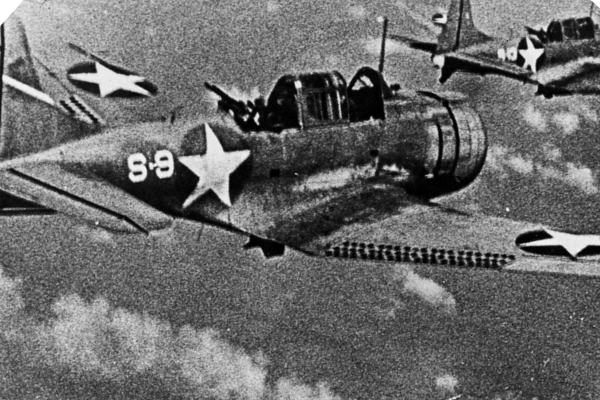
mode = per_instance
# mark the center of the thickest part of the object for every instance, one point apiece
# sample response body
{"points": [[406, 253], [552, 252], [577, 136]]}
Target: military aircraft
{"points": [[138, 178], [561, 59]]}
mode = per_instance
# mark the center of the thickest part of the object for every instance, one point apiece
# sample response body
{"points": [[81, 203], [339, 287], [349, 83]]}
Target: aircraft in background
{"points": [[561, 59]]}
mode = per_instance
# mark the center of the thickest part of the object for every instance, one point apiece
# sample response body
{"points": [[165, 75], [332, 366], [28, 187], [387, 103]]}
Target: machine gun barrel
{"points": [[227, 102]]}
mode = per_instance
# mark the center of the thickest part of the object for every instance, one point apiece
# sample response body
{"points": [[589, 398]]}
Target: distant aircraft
{"points": [[561, 59]]}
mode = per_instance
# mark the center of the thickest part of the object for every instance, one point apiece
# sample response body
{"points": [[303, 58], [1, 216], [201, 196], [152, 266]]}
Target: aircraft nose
{"points": [[443, 149]]}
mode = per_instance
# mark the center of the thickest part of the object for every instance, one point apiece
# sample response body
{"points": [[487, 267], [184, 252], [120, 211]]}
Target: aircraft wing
{"points": [[429, 47], [105, 79], [88, 198], [434, 238], [462, 61], [459, 61], [578, 77]]}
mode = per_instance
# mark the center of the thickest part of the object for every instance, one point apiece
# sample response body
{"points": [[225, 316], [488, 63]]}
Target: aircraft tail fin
{"points": [[30, 119], [18, 62], [460, 32]]}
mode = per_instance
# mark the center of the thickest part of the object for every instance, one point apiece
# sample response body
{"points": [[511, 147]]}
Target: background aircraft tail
{"points": [[460, 32], [30, 119]]}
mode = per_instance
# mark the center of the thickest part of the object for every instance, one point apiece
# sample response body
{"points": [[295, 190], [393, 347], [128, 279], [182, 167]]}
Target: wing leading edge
{"points": [[86, 198], [482, 65]]}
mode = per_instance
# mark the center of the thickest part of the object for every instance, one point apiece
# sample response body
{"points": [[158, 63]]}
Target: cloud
{"points": [[568, 122], [108, 350], [583, 177], [447, 383], [535, 118], [288, 389], [427, 290], [504, 161], [520, 164], [587, 112], [552, 153], [10, 299], [273, 6], [567, 116]]}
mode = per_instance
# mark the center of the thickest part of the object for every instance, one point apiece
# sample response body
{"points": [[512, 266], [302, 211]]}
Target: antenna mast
{"points": [[383, 39]]}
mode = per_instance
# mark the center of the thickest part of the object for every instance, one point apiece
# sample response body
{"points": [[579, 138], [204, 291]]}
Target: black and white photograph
{"points": [[300, 200]]}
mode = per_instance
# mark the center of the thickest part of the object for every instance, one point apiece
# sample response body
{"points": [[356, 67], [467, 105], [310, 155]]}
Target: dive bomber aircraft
{"points": [[561, 59], [137, 178]]}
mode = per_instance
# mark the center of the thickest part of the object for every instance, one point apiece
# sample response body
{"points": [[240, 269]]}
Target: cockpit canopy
{"points": [[323, 98], [309, 99], [571, 29]]}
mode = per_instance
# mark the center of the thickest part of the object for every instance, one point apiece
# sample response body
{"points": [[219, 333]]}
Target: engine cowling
{"points": [[443, 144]]}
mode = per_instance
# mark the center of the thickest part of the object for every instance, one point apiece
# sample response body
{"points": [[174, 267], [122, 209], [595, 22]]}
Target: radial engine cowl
{"points": [[443, 145]]}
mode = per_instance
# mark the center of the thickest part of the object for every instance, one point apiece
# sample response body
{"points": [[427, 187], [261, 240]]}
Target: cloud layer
{"points": [[110, 350], [551, 168], [567, 117]]}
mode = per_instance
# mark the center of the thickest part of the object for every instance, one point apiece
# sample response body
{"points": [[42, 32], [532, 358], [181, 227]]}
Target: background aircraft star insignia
{"points": [[110, 81], [531, 55], [213, 168]]}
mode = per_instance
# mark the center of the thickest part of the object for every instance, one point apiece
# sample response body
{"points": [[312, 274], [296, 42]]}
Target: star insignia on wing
{"points": [[213, 168], [531, 55], [110, 81], [573, 244]]}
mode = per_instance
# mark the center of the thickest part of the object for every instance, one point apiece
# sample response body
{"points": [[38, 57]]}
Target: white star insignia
{"points": [[573, 244], [531, 55], [109, 81], [213, 168]]}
